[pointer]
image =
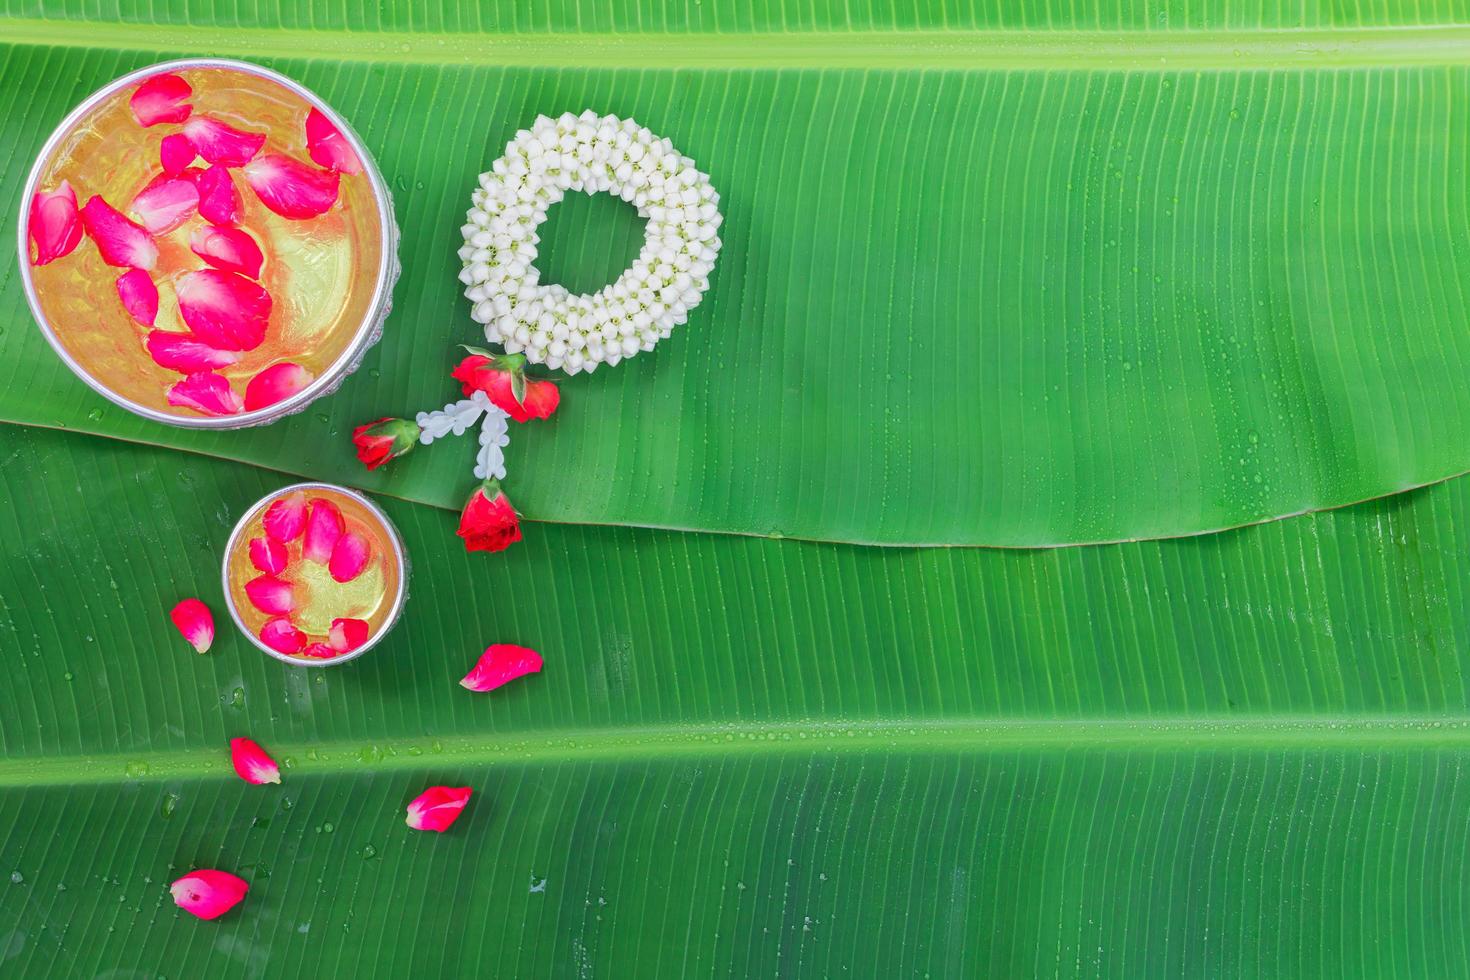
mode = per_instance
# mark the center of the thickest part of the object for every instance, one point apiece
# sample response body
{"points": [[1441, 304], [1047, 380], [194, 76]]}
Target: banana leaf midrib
{"points": [[723, 740]]}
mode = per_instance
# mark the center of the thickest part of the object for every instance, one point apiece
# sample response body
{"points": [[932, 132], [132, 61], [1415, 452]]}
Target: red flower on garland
{"points": [[489, 522], [503, 378], [387, 438]]}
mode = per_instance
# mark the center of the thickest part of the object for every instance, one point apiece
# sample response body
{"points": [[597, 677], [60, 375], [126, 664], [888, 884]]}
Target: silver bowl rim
{"points": [[339, 368], [399, 554]]}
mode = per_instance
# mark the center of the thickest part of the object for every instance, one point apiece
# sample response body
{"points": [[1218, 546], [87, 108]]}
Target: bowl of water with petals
{"points": [[315, 574], [207, 244]]}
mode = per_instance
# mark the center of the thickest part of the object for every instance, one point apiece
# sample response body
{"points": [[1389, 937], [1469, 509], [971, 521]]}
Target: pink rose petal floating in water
{"points": [[227, 248], [219, 142], [347, 635], [181, 352], [285, 519], [120, 242], [437, 807], [161, 99], [291, 188], [219, 198], [252, 764], [317, 650], [207, 893], [276, 383], [281, 636], [139, 296], [327, 146], [206, 392], [175, 153], [224, 309], [500, 664], [270, 595], [349, 557], [55, 224], [323, 529], [165, 203], [268, 555], [193, 619]]}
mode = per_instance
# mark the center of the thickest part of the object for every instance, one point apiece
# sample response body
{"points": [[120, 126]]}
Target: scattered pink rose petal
{"points": [[227, 248], [318, 650], [161, 99], [224, 309], [500, 664], [327, 146], [139, 296], [268, 555], [276, 383], [281, 636], [291, 188], [219, 142], [270, 595], [208, 894], [120, 242], [347, 635], [285, 519], [166, 203], [55, 224], [437, 807], [181, 352], [252, 764], [323, 529], [194, 620], [205, 392], [175, 154], [349, 557], [219, 198]]}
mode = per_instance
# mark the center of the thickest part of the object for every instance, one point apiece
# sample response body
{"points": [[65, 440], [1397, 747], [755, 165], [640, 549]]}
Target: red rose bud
{"points": [[503, 378], [377, 442], [489, 522]]}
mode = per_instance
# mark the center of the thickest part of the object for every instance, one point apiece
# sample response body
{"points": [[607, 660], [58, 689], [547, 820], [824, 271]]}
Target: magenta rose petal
{"points": [[268, 555], [219, 142], [195, 623], [276, 383], [120, 242], [139, 296], [208, 894], [175, 153], [55, 223], [162, 98], [166, 203], [291, 188], [285, 519], [437, 807], [326, 145], [500, 664], [181, 352], [323, 530], [347, 635], [224, 309], [252, 763], [205, 392], [281, 636], [227, 248], [349, 557], [271, 595], [219, 198]]}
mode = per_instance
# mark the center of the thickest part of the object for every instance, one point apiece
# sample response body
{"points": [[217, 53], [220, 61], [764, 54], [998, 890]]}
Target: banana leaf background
{"points": [[1040, 555]]}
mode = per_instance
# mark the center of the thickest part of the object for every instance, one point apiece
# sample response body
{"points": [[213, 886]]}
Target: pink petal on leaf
{"points": [[347, 635], [120, 242], [281, 636], [194, 620], [205, 392], [224, 309], [219, 142], [181, 352], [268, 555], [208, 894], [437, 807], [161, 99], [55, 224], [270, 595], [349, 556], [227, 248], [500, 664], [327, 146], [219, 198], [166, 203], [285, 519], [290, 188], [139, 296], [323, 529], [252, 764], [175, 154], [276, 383]]}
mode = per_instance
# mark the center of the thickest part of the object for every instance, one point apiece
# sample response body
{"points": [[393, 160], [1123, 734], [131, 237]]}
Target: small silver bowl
{"points": [[237, 555], [331, 376]]}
